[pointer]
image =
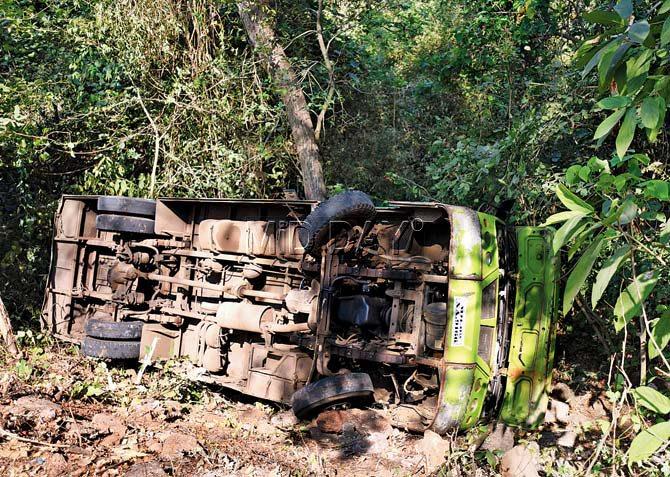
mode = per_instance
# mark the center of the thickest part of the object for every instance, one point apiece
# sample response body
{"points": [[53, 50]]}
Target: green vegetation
{"points": [[559, 106]]}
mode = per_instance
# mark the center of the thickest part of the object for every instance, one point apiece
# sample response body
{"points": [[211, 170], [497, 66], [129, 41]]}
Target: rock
{"points": [[568, 439], [177, 443], [154, 445], [519, 462], [561, 410], [408, 418], [56, 465], [330, 422], [434, 449], [501, 439], [549, 417], [562, 392], [256, 420], [111, 424], [284, 420], [363, 421], [378, 442], [105, 422], [146, 469], [147, 414], [36, 407]]}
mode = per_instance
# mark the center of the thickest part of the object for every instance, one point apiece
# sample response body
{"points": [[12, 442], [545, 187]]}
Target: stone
{"points": [[330, 422], [549, 417], [434, 449], [111, 424], [284, 420], [56, 465], [500, 439], [408, 418], [146, 469], [519, 462], [176, 444], [561, 410], [568, 439], [105, 422], [378, 442], [363, 421], [563, 392], [36, 407]]}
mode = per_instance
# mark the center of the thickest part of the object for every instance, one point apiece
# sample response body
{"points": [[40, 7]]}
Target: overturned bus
{"points": [[449, 310]]}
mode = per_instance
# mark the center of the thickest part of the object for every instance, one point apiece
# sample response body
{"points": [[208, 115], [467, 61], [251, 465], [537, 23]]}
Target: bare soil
{"points": [[63, 414]]}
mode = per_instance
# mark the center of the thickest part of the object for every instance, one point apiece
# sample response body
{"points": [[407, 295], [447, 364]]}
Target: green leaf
{"points": [[584, 173], [563, 216], [608, 123], [664, 236], [599, 165], [664, 8], [572, 174], [581, 272], [605, 67], [665, 32], [653, 132], [627, 212], [648, 441], [609, 63], [624, 8], [649, 112], [571, 201], [652, 399], [660, 334], [639, 31], [595, 59], [613, 102], [563, 235], [657, 189], [602, 17], [629, 303], [606, 273], [626, 132]]}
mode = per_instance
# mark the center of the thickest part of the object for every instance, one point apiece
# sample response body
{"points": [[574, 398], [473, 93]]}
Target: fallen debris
{"points": [[176, 444], [146, 469], [519, 462], [568, 439], [561, 410], [500, 439], [433, 448]]}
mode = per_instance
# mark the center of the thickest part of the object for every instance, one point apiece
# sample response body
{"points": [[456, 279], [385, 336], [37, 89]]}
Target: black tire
{"points": [[120, 223], [114, 330], [329, 391], [127, 206], [343, 210], [110, 349]]}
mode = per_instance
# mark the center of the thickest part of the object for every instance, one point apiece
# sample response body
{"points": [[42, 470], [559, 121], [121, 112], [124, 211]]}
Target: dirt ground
{"points": [[63, 414]]}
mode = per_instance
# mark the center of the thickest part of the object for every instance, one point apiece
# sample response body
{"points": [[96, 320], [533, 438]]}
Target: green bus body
{"points": [[468, 369]]}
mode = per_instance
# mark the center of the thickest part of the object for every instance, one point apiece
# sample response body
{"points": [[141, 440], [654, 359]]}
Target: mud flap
{"points": [[533, 334]]}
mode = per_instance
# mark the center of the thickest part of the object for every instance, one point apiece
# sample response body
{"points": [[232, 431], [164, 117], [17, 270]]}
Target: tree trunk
{"points": [[262, 37], [6, 331]]}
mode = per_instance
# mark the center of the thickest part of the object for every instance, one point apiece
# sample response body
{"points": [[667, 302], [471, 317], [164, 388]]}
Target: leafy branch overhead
{"points": [[616, 227], [630, 58]]}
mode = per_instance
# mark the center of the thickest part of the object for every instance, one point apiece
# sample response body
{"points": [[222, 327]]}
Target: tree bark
{"points": [[261, 35], [6, 331]]}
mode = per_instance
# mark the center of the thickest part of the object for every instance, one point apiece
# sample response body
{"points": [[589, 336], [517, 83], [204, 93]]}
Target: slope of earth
{"points": [[63, 414]]}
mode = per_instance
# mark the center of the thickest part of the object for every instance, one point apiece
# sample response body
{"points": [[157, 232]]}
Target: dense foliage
{"points": [[552, 104]]}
